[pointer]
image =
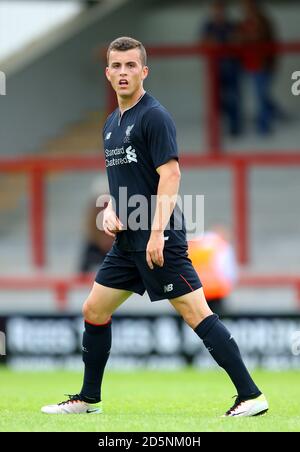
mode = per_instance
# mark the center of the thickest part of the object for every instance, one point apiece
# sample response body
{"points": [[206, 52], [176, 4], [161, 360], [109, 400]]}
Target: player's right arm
{"points": [[111, 223]]}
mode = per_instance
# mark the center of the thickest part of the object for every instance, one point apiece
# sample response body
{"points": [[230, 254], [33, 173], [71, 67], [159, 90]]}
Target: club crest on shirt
{"points": [[127, 134]]}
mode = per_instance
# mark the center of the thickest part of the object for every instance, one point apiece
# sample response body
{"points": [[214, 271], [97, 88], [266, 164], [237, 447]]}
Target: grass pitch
{"points": [[181, 401]]}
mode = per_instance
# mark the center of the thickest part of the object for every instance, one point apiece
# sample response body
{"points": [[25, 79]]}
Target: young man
{"points": [[141, 155]]}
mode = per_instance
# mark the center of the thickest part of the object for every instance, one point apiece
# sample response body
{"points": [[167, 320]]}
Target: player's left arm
{"points": [[168, 186]]}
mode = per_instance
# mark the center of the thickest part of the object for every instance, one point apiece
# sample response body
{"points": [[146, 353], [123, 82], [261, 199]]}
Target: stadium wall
{"points": [[59, 87]]}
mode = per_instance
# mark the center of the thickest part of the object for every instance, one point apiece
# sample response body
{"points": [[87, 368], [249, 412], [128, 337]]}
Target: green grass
{"points": [[185, 401]]}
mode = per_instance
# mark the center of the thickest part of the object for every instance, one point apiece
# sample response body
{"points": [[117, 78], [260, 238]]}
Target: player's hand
{"points": [[111, 223], [154, 250]]}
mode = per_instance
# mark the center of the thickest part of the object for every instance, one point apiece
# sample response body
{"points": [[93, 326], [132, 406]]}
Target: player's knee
{"points": [[194, 319], [191, 318], [193, 314], [96, 316]]}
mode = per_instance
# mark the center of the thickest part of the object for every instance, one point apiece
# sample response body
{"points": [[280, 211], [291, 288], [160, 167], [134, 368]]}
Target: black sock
{"points": [[96, 346], [223, 348]]}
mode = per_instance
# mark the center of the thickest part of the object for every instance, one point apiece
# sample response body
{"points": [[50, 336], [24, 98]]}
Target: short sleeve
{"points": [[160, 136]]}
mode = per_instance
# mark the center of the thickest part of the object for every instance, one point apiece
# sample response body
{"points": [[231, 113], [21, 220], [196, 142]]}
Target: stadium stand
{"points": [[66, 79]]}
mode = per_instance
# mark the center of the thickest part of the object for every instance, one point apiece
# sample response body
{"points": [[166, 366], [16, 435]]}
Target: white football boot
{"points": [[74, 405], [250, 407]]}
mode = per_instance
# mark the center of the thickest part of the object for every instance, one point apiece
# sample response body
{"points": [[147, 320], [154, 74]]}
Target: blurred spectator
{"points": [[91, 3], [220, 29], [214, 260], [257, 28], [97, 243]]}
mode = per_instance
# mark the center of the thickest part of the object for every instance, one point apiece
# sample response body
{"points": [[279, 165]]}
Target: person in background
{"points": [[97, 243], [214, 260], [220, 29], [257, 28]]}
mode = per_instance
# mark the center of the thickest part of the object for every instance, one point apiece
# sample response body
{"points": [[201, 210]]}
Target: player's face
{"points": [[126, 72]]}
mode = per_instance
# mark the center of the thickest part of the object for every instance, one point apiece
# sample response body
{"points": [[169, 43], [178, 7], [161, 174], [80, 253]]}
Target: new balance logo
{"points": [[168, 288], [107, 136], [131, 154]]}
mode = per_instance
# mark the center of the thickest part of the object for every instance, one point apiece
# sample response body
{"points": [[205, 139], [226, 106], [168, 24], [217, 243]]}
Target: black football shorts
{"points": [[128, 270]]}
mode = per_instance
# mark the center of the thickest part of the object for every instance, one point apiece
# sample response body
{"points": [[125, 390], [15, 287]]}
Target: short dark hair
{"points": [[125, 43]]}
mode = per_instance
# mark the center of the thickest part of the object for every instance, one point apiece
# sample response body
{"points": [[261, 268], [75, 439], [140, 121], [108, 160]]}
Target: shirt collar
{"points": [[129, 108]]}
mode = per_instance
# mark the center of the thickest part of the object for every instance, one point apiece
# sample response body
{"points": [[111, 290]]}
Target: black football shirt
{"points": [[135, 144]]}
